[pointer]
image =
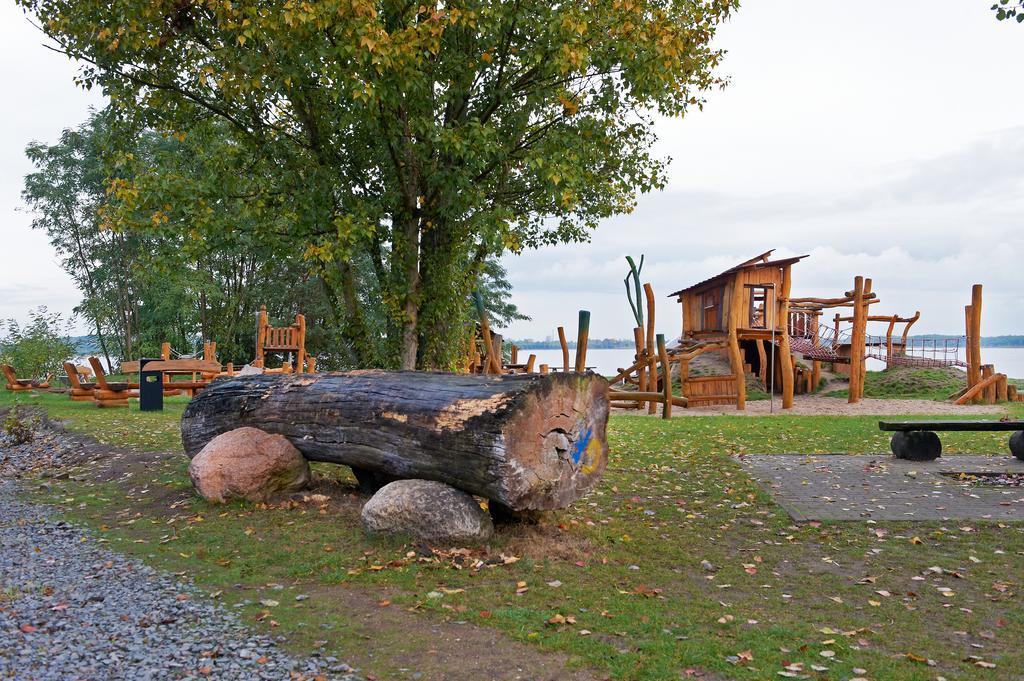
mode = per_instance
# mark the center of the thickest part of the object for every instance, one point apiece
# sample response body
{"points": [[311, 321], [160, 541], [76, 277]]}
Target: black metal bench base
{"points": [[917, 441], [1017, 444], [916, 445]]}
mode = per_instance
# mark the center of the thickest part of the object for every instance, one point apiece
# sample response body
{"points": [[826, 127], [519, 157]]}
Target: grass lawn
{"points": [[905, 382], [677, 563]]}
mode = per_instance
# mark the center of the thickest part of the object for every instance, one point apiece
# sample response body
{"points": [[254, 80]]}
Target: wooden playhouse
{"points": [[746, 308]]}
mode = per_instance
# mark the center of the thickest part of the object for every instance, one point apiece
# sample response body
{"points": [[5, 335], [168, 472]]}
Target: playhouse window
{"points": [[711, 304], [758, 307]]}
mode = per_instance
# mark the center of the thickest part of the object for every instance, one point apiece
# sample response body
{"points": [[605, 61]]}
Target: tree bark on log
{"points": [[528, 442]]}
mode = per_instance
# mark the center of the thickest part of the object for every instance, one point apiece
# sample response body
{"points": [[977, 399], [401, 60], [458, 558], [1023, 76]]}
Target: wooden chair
{"points": [[285, 340], [110, 393], [20, 384], [80, 391]]}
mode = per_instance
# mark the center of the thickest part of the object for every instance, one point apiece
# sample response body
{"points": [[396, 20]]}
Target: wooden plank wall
{"points": [[710, 390]]}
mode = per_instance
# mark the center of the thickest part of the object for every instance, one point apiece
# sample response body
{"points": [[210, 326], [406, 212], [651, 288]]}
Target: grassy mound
{"points": [[910, 383]]}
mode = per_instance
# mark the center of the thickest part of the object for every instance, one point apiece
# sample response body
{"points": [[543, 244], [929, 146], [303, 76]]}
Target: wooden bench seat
{"points": [[17, 384], [917, 440], [81, 391]]}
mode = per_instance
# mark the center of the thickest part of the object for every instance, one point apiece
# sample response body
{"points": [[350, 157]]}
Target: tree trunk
{"points": [[527, 442]]}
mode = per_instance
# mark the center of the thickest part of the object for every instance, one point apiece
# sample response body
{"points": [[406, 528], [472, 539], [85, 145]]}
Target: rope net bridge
{"points": [[828, 345]]}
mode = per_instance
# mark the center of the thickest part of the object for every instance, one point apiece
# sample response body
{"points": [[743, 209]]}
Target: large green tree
{"points": [[420, 139]]}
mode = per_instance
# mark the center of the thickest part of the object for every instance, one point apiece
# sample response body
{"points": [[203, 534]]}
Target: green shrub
{"points": [[38, 348], [19, 429]]}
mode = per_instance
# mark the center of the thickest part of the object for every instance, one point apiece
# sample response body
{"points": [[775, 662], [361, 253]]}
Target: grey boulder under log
{"points": [[529, 442]]}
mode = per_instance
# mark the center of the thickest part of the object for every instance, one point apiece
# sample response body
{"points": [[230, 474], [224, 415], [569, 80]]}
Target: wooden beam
{"points": [[977, 389], [666, 377], [581, 341], [785, 354], [735, 357], [989, 393], [652, 366], [974, 337], [857, 341], [565, 348]]}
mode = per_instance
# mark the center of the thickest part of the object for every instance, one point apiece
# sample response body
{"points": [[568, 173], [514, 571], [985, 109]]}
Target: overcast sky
{"points": [[882, 138]]}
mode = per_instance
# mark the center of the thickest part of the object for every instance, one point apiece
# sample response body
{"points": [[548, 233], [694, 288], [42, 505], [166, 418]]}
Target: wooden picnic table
{"points": [[917, 440]]}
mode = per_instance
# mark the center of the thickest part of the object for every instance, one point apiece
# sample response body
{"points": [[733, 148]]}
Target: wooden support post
{"points": [[530, 362], [816, 342], [973, 372], [641, 370], [785, 354], [989, 393], [565, 348], [857, 341], [514, 354], [684, 377], [651, 347], [666, 377], [300, 359], [581, 341], [261, 335], [762, 358], [493, 363], [165, 351], [1002, 389], [888, 341], [735, 357], [974, 338], [543, 369], [499, 350]]}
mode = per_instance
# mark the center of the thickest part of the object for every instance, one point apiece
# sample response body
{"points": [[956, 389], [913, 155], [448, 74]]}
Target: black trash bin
{"points": [[151, 387]]}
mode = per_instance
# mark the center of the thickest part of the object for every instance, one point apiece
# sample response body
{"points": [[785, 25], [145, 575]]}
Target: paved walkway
{"points": [[881, 487]]}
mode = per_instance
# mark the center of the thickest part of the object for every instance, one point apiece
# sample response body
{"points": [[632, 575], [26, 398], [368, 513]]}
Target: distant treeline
{"points": [[592, 344], [986, 341]]}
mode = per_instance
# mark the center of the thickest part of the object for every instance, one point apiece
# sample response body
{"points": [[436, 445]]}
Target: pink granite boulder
{"points": [[250, 464]]}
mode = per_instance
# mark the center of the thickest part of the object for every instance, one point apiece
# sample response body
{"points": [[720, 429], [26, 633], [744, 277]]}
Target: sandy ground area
{"points": [[815, 404]]}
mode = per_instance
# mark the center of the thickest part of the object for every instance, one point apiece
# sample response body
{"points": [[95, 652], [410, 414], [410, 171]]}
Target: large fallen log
{"points": [[526, 442]]}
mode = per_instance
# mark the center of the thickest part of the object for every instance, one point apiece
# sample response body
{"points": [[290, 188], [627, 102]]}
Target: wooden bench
{"points": [[18, 384], [917, 440], [81, 391]]}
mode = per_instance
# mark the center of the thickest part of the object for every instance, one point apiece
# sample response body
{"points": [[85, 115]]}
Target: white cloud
{"points": [[880, 138]]}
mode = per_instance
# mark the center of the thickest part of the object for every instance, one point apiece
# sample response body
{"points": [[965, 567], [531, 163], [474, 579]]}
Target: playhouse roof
{"points": [[757, 262]]}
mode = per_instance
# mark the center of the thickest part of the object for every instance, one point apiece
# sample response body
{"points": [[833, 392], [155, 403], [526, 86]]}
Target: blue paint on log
{"points": [[581, 446]]}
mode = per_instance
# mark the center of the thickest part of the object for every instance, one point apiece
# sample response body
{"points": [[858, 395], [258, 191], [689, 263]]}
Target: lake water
{"points": [[608, 361]]}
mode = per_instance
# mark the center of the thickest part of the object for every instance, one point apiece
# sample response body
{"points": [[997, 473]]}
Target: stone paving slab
{"points": [[881, 487]]}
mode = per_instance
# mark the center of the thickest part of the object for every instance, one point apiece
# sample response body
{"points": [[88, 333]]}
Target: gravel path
{"points": [[72, 609]]}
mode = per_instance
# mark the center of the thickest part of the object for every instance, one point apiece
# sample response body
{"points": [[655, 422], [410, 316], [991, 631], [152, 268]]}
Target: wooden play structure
{"points": [[16, 384], [487, 355], [747, 314], [289, 341], [818, 342], [741, 312], [984, 384]]}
